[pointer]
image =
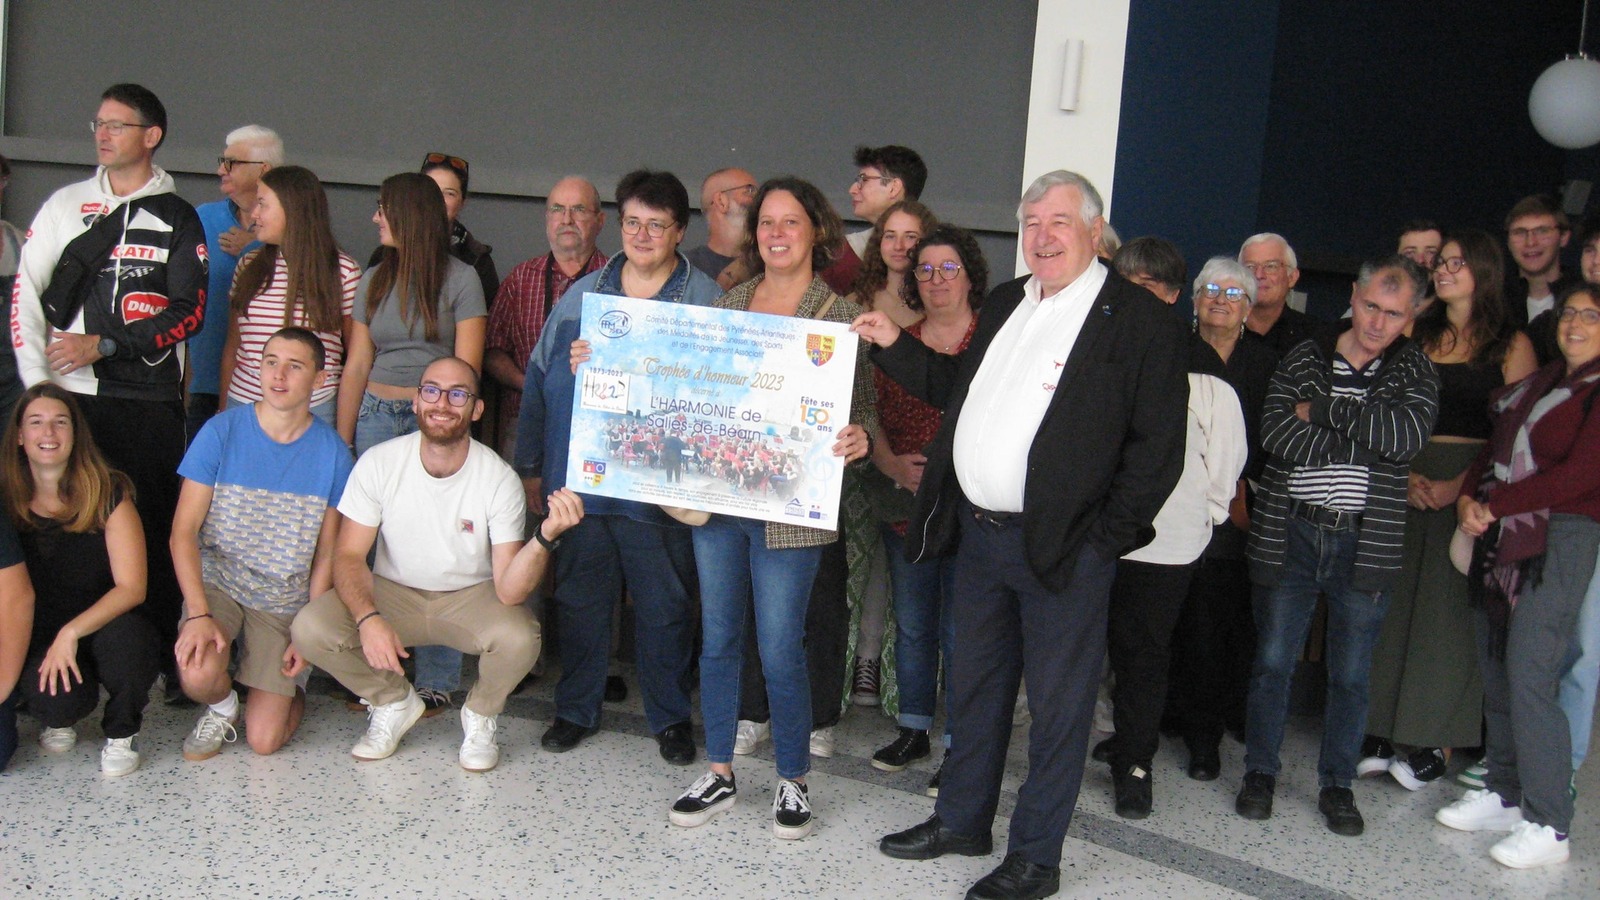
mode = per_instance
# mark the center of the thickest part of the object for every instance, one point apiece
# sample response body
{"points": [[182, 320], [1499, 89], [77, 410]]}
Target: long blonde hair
{"points": [[91, 489]]}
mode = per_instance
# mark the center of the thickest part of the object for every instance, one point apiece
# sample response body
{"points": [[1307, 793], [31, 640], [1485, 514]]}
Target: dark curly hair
{"points": [[829, 228], [966, 247]]}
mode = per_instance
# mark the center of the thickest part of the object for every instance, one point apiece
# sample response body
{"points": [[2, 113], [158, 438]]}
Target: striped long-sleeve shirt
{"points": [[1380, 432]]}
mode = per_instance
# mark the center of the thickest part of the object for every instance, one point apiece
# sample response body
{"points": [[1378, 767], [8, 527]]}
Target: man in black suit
{"points": [[1062, 436]]}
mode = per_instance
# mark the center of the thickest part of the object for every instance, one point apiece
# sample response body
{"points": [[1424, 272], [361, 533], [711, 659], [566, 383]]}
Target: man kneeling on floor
{"points": [[451, 569], [252, 541]]}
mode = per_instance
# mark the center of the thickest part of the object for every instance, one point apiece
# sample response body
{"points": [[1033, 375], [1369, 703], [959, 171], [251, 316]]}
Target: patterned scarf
{"points": [[1509, 558]]}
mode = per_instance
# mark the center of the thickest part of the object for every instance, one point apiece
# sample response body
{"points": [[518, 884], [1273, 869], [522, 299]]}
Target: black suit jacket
{"points": [[1108, 451]]}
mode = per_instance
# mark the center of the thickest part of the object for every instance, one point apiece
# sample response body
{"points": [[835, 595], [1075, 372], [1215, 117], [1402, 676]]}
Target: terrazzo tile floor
{"points": [[310, 821]]}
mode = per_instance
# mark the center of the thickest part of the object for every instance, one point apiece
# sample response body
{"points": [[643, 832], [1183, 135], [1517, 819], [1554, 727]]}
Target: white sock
{"points": [[228, 706]]}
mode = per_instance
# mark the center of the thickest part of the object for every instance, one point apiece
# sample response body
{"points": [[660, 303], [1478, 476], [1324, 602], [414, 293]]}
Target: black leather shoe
{"points": [[1017, 879], [563, 736], [1205, 761], [910, 746], [677, 744], [1338, 808], [1255, 796], [1103, 750], [616, 689], [931, 840], [1132, 789]]}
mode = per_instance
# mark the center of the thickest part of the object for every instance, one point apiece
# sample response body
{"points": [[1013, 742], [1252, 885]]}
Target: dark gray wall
{"points": [[532, 90]]}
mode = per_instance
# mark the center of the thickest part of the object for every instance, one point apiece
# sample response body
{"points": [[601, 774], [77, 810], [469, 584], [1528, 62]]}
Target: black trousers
{"points": [[827, 637], [1007, 625], [121, 657], [1213, 650], [145, 440], [1145, 601]]}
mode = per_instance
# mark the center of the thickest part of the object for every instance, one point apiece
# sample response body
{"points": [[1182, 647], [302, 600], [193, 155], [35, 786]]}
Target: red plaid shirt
{"points": [[517, 315]]}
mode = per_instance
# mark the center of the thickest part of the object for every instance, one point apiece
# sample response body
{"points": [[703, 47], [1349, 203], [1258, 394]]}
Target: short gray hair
{"points": [[1092, 208], [1265, 236], [1390, 271], [263, 139], [1219, 268]]}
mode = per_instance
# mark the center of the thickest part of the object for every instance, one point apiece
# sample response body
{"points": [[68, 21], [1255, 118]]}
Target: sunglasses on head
{"points": [[441, 159]]}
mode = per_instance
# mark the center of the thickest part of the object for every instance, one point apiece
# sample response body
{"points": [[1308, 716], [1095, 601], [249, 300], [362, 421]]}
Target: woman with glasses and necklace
{"points": [[1426, 692], [416, 305]]}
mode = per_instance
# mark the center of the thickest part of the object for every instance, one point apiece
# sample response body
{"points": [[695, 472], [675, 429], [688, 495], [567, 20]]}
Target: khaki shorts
{"points": [[262, 639]]}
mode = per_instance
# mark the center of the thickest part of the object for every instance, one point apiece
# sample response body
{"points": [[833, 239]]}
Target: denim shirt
{"points": [[544, 423]]}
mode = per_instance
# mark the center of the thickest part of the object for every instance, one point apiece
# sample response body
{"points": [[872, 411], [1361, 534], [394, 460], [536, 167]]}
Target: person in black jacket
{"points": [[1063, 435]]}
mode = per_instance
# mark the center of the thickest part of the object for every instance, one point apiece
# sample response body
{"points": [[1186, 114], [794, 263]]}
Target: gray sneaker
{"points": [[209, 734]]}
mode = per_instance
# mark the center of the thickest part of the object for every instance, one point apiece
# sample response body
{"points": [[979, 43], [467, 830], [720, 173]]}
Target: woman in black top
{"points": [[84, 547]]}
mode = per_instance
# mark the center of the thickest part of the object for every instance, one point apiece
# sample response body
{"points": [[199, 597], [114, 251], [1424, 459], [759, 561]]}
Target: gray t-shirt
{"points": [[403, 351], [708, 260]]}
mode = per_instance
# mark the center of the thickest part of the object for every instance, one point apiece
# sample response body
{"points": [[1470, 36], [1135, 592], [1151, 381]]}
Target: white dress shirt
{"points": [[1013, 387]]}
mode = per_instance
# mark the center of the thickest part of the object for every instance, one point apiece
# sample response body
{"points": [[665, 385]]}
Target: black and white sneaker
{"points": [[791, 810], [1376, 755], [1421, 768], [709, 795], [933, 783]]}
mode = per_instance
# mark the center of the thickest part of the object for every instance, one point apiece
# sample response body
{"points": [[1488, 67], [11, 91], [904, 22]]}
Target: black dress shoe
{"points": [[1205, 761], [931, 839], [1103, 750], [1255, 796], [1132, 790], [1017, 879], [677, 744], [563, 736], [1338, 808], [616, 689]]}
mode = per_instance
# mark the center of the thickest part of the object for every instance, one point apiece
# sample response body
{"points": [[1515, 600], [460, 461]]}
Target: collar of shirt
{"points": [[1088, 283]]}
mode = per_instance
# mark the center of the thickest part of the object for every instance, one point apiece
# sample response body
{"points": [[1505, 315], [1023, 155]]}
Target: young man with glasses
{"points": [[112, 323], [1536, 231], [447, 516], [247, 154], [884, 176]]}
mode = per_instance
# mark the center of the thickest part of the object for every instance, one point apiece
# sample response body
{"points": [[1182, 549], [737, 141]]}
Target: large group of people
{"points": [[238, 456]]}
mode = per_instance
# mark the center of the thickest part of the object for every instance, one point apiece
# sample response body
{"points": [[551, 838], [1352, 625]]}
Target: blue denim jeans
{"points": [[733, 558], [1576, 694], [1317, 559], [924, 631], [657, 562]]}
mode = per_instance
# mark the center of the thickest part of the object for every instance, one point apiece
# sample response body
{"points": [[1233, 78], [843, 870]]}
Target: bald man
{"points": [[725, 198]]}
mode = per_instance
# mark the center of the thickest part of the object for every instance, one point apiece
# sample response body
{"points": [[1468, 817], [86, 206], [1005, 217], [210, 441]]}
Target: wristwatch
{"points": [[107, 347], [546, 543]]}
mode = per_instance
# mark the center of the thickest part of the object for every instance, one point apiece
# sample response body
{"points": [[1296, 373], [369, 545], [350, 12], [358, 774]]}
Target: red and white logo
{"points": [[138, 306], [92, 209], [200, 251], [139, 251]]}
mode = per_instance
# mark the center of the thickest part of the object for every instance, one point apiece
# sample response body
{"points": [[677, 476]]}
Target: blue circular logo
{"points": [[615, 323]]}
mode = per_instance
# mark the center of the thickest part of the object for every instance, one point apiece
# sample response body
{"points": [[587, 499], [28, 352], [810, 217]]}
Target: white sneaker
{"points": [[386, 724], [118, 757], [479, 752], [749, 736], [58, 740], [1480, 811], [1530, 845], [822, 743], [209, 734]]}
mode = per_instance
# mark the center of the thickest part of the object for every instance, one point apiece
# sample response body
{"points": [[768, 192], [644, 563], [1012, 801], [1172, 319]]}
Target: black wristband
{"points": [[201, 616], [546, 543], [364, 618]]}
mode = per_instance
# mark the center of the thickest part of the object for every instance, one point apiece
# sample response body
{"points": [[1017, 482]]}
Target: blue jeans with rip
{"points": [[924, 631], [1318, 559]]}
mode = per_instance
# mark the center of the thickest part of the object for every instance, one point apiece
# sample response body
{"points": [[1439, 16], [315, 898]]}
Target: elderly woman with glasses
{"points": [[1425, 690], [1214, 642]]}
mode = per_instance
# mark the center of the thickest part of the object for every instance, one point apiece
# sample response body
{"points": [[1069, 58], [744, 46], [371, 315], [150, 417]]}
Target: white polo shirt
{"points": [[1013, 388]]}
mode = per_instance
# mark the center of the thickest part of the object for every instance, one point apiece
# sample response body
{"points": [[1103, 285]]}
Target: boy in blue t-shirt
{"points": [[252, 543]]}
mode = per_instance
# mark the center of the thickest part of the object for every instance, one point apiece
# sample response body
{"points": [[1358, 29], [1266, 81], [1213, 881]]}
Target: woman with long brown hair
{"points": [[84, 546], [298, 277]]}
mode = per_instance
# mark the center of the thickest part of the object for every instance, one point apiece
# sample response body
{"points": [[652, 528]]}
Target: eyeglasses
{"points": [[947, 271], [227, 162], [1588, 315], [741, 188], [1451, 264], [631, 225], [864, 179], [430, 393], [112, 127], [1543, 232], [1266, 268], [440, 159], [1213, 291], [579, 211]]}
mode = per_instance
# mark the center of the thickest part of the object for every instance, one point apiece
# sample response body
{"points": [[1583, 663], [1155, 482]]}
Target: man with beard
{"points": [[446, 515], [725, 198]]}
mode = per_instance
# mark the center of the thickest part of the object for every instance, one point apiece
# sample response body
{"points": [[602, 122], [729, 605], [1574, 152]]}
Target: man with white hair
{"points": [[1272, 261], [725, 198], [1063, 435], [247, 154]]}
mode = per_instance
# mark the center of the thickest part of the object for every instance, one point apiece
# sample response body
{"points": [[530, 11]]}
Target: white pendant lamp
{"points": [[1565, 102]]}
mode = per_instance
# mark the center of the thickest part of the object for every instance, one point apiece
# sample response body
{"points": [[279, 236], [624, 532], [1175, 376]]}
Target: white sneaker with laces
{"points": [[1480, 811], [822, 743], [479, 752], [58, 740], [1530, 845], [118, 756], [749, 736], [209, 734], [791, 811], [386, 724]]}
